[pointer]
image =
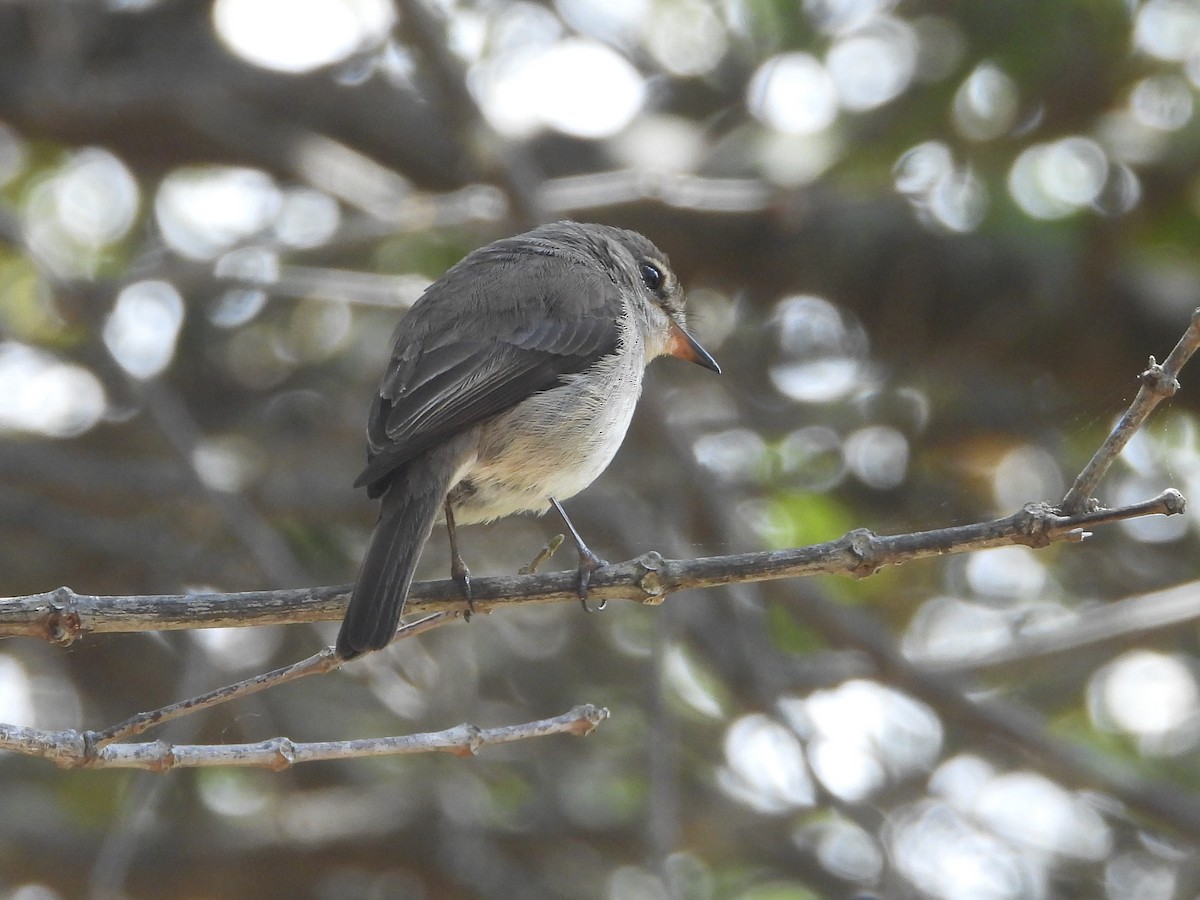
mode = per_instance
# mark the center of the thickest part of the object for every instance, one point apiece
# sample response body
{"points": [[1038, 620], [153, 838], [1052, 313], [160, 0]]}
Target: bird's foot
{"points": [[460, 573], [589, 562], [544, 554], [458, 569]]}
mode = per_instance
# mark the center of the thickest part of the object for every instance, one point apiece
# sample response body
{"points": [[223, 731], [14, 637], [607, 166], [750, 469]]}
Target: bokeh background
{"points": [[932, 244]]}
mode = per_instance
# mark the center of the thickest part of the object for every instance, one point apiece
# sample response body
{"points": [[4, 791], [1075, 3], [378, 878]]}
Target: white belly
{"points": [[554, 444]]}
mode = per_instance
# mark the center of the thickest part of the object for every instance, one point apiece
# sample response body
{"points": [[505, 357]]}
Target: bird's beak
{"points": [[683, 345]]}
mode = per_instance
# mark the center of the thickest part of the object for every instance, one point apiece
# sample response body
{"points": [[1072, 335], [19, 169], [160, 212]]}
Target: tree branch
{"points": [[1158, 383], [63, 616], [71, 749]]}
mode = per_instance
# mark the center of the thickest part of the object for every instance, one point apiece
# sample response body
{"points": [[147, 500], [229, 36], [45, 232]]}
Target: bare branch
{"points": [[316, 664], [70, 749], [63, 616], [1158, 383]]}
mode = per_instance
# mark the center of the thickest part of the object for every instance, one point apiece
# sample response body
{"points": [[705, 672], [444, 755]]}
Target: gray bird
{"points": [[511, 386]]}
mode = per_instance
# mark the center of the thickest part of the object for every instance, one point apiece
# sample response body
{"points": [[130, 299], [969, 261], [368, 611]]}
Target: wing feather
{"points": [[452, 368]]}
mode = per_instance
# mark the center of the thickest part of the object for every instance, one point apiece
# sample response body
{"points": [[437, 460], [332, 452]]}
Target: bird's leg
{"points": [[589, 562], [458, 569]]}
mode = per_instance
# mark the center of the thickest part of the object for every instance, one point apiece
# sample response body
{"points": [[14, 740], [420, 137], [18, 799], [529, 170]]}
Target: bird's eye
{"points": [[653, 276]]}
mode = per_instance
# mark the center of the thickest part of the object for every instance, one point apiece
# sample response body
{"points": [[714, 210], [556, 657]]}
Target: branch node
{"points": [[63, 624], [587, 719], [164, 755], [1035, 521], [470, 743], [285, 754], [1173, 502], [862, 544], [651, 579], [1156, 379]]}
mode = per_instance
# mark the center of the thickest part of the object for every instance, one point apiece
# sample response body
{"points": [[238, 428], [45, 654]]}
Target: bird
{"points": [[510, 387]]}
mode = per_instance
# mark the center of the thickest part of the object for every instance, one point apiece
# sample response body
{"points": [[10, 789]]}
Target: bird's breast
{"points": [[555, 443]]}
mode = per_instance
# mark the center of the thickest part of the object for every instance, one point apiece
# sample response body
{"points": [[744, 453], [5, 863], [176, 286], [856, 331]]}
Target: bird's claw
{"points": [[589, 562], [460, 573]]}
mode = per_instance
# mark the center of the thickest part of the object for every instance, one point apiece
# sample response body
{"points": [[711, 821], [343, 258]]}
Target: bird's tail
{"points": [[406, 516]]}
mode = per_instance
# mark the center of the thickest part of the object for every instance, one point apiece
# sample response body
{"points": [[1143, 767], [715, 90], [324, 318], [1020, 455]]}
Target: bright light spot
{"points": [[878, 456], [793, 93], [89, 202], [874, 64], [1026, 473], [922, 167], [1168, 29], [660, 143], [1146, 694], [237, 307], [818, 381], [203, 212], [141, 331], [735, 455], [236, 649], [849, 771], [941, 852], [949, 628], [1050, 181], [766, 767], [686, 37], [40, 394], [1163, 101], [691, 683], [250, 265], [1127, 138], [959, 201], [1147, 529], [607, 20], [1073, 170], [1121, 193], [863, 733], [951, 197], [576, 86], [986, 105], [232, 792], [837, 16], [812, 458], [226, 464], [307, 218], [96, 197], [16, 693], [792, 160], [821, 349], [960, 779], [1007, 573], [844, 849], [301, 35], [1030, 810], [254, 264]]}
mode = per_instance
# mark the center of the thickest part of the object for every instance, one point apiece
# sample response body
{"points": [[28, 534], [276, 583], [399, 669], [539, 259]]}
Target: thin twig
{"points": [[71, 749], [1158, 383], [316, 664], [63, 616]]}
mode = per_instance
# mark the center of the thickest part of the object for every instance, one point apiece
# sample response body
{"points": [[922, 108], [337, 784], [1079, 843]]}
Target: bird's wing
{"points": [[454, 374]]}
